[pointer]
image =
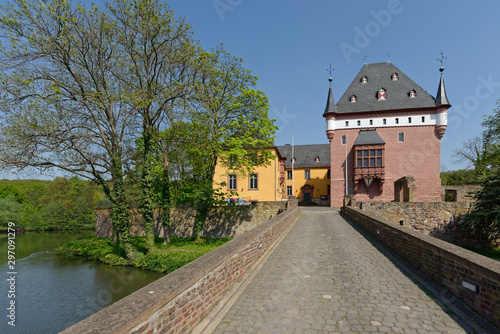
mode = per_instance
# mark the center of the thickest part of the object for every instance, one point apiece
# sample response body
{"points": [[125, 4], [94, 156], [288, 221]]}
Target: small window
{"points": [[412, 94], [371, 122], [346, 123], [397, 120], [359, 162], [289, 174], [307, 174], [395, 77], [353, 99], [289, 191], [401, 138], [253, 181], [344, 140], [364, 79], [359, 123], [232, 182], [328, 174], [381, 95], [409, 119], [384, 121], [423, 119], [316, 159]]}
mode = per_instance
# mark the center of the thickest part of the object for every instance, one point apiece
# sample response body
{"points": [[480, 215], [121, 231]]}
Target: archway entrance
{"points": [[307, 192]]}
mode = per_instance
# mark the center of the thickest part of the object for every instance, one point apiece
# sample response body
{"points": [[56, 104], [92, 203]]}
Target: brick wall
{"points": [[445, 263], [176, 302], [222, 221]]}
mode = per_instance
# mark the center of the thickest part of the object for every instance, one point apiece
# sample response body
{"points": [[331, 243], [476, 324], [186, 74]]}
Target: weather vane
{"points": [[441, 60], [330, 70], [389, 57], [364, 59]]}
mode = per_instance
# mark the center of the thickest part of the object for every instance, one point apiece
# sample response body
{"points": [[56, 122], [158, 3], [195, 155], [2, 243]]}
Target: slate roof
{"points": [[379, 76], [330, 104], [441, 98], [305, 155], [368, 137]]}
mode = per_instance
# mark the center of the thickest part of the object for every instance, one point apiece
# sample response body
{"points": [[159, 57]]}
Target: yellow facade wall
{"points": [[318, 178], [268, 182]]}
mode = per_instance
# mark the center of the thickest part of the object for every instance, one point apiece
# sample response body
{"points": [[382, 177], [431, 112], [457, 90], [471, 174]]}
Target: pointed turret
{"points": [[329, 113], [441, 98], [330, 103]]}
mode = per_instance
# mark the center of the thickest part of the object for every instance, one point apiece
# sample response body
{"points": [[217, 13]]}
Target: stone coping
{"points": [[456, 253], [123, 315]]}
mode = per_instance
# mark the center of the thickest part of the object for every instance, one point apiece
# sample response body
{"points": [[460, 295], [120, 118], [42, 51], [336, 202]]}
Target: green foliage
{"points": [[164, 258], [459, 177], [48, 205], [484, 219]]}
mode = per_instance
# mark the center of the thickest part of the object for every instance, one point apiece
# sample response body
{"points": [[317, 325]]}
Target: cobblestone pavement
{"points": [[327, 277]]}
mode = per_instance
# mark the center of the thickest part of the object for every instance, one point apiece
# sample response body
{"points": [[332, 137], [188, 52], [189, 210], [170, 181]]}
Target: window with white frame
{"points": [[289, 174], [289, 191], [307, 174], [231, 182], [253, 181]]}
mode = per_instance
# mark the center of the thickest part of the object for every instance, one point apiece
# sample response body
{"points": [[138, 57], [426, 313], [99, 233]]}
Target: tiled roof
{"points": [[379, 76], [368, 137], [305, 155]]}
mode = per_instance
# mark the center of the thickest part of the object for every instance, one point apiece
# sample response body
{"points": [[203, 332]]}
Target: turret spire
{"points": [[330, 103], [441, 98]]}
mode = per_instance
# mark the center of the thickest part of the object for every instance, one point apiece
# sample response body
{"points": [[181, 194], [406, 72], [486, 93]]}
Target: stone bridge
{"points": [[317, 270]]}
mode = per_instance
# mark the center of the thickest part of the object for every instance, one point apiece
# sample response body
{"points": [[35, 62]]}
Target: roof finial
{"points": [[441, 69], [364, 59], [389, 58], [330, 69]]}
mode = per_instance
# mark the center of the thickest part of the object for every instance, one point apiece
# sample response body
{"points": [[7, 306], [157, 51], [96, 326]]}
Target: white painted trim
{"points": [[378, 122]]}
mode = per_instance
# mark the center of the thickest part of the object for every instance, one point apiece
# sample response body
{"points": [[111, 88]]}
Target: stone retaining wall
{"points": [[463, 193], [451, 266], [176, 302], [222, 221], [429, 218]]}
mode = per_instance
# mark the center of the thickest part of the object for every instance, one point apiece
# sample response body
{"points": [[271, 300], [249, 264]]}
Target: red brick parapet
{"points": [[458, 270], [176, 302]]}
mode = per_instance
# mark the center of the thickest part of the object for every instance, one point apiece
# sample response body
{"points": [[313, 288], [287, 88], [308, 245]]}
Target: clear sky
{"points": [[290, 44]]}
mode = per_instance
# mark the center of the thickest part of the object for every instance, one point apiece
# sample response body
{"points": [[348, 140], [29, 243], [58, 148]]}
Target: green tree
{"points": [[160, 49], [10, 211], [62, 102], [484, 218], [232, 118]]}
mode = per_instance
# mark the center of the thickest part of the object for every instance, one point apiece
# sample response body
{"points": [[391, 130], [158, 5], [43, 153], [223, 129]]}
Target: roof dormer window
{"points": [[364, 80], [381, 95], [412, 94], [316, 159], [353, 99], [395, 77]]}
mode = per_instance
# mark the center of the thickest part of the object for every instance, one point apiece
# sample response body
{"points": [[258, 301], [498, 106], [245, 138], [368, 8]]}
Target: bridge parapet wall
{"points": [[455, 268], [176, 302]]}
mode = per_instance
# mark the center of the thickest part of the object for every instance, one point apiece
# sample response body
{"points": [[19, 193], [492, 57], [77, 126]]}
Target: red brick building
{"points": [[385, 127]]}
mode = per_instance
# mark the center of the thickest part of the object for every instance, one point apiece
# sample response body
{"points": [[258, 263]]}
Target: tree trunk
{"points": [[147, 202], [165, 199]]}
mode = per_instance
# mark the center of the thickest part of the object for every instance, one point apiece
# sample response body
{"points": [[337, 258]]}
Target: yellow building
{"points": [[265, 183], [309, 181]]}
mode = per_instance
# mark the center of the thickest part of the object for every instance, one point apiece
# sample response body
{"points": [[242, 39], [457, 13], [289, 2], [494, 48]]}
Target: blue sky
{"points": [[289, 46]]}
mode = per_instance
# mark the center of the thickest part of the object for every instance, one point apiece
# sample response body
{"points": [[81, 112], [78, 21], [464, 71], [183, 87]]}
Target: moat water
{"points": [[53, 292]]}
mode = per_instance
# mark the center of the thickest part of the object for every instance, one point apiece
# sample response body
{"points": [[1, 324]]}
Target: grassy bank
{"points": [[165, 258]]}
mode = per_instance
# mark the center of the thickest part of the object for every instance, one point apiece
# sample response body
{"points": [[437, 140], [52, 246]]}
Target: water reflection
{"points": [[53, 292]]}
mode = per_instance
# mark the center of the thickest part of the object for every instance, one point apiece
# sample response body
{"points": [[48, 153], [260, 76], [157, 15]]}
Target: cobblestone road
{"points": [[327, 277]]}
